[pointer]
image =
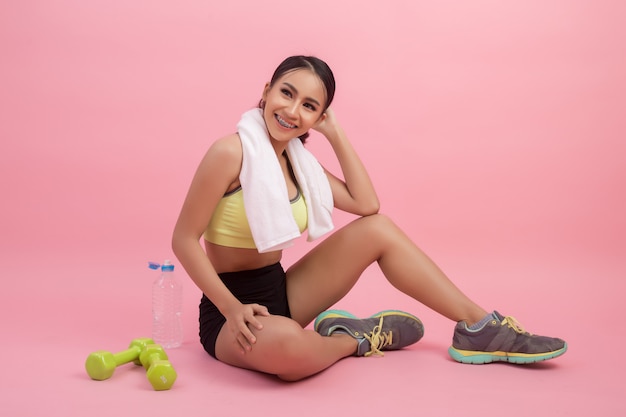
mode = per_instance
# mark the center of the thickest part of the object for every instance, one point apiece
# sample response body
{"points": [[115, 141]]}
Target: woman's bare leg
{"points": [[330, 270], [285, 349], [323, 277]]}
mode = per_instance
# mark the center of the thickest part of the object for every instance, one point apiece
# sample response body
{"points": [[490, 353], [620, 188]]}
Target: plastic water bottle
{"points": [[167, 303]]}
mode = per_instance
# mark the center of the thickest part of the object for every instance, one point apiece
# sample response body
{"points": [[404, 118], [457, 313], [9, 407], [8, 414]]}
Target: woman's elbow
{"points": [[175, 243], [179, 241], [373, 207]]}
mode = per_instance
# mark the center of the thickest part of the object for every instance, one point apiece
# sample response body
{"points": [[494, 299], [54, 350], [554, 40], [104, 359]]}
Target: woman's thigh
{"points": [[326, 274], [273, 351]]}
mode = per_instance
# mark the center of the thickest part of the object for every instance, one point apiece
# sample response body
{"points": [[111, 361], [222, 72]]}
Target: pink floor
{"points": [[55, 324], [494, 132]]}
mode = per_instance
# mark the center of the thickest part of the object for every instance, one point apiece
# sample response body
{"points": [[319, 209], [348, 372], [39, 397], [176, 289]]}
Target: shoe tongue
{"points": [[497, 315]]}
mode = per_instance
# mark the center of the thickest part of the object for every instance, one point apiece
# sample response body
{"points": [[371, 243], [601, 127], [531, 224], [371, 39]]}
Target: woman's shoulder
{"points": [[228, 147], [223, 159]]}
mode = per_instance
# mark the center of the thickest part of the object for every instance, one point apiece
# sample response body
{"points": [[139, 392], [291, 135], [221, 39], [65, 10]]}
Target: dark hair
{"points": [[317, 66]]}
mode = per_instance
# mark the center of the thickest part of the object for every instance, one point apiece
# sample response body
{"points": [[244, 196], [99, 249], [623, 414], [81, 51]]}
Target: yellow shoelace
{"points": [[378, 339], [513, 324]]}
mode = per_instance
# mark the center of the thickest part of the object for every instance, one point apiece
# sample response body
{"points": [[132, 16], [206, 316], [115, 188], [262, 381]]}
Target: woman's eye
{"points": [[310, 106], [286, 92]]}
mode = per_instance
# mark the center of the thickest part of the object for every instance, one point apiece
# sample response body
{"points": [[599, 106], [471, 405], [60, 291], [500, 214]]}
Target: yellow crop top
{"points": [[229, 225]]}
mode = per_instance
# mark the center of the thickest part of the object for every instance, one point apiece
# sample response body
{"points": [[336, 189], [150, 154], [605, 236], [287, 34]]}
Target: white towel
{"points": [[265, 195]]}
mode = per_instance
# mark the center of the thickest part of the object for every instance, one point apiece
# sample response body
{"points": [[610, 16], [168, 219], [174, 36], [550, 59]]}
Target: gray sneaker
{"points": [[387, 330], [502, 340]]}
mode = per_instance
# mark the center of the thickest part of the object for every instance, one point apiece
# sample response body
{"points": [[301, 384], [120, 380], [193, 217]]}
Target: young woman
{"points": [[253, 313]]}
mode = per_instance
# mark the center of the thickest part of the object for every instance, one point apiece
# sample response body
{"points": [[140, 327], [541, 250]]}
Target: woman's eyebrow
{"points": [[296, 91]]}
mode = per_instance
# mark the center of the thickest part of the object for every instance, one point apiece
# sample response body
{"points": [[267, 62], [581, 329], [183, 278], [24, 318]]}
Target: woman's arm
{"points": [[216, 173], [355, 194]]}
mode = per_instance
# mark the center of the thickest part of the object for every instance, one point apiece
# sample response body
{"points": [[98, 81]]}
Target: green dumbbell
{"points": [[159, 370], [100, 365]]}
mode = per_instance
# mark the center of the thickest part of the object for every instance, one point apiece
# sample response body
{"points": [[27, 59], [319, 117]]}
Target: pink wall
{"points": [[480, 120]]}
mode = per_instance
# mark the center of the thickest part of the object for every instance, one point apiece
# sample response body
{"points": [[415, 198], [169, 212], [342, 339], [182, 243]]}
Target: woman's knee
{"points": [[376, 226], [290, 353]]}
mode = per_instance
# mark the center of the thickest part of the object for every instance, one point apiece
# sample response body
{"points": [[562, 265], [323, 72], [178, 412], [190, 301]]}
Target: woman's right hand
{"points": [[238, 320]]}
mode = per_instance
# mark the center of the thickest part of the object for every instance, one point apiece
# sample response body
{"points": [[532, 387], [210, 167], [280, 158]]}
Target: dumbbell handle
{"points": [[128, 355]]}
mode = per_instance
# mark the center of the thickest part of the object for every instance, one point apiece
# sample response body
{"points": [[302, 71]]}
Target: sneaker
{"points": [[502, 340], [386, 330]]}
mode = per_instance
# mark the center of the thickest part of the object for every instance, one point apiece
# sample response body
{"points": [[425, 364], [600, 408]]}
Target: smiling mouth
{"points": [[284, 123]]}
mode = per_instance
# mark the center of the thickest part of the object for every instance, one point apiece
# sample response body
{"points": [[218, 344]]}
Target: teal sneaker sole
{"points": [[385, 313], [342, 313], [479, 358], [332, 314]]}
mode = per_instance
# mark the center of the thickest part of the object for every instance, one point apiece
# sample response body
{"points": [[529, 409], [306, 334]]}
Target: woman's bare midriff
{"points": [[225, 259]]}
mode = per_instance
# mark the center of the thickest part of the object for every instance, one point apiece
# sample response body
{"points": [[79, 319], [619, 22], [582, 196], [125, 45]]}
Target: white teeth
{"points": [[284, 123]]}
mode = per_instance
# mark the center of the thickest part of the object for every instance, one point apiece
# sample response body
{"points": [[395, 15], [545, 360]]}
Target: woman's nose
{"points": [[292, 109]]}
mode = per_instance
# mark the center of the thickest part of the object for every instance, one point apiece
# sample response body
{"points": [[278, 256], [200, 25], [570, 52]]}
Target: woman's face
{"points": [[294, 104]]}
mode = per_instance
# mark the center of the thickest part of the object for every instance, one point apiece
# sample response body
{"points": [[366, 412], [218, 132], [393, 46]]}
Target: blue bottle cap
{"points": [[167, 266]]}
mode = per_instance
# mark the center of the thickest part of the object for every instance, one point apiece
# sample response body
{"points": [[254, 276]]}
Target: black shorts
{"points": [[266, 286]]}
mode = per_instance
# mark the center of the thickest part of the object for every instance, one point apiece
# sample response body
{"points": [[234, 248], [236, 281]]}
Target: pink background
{"points": [[493, 130]]}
